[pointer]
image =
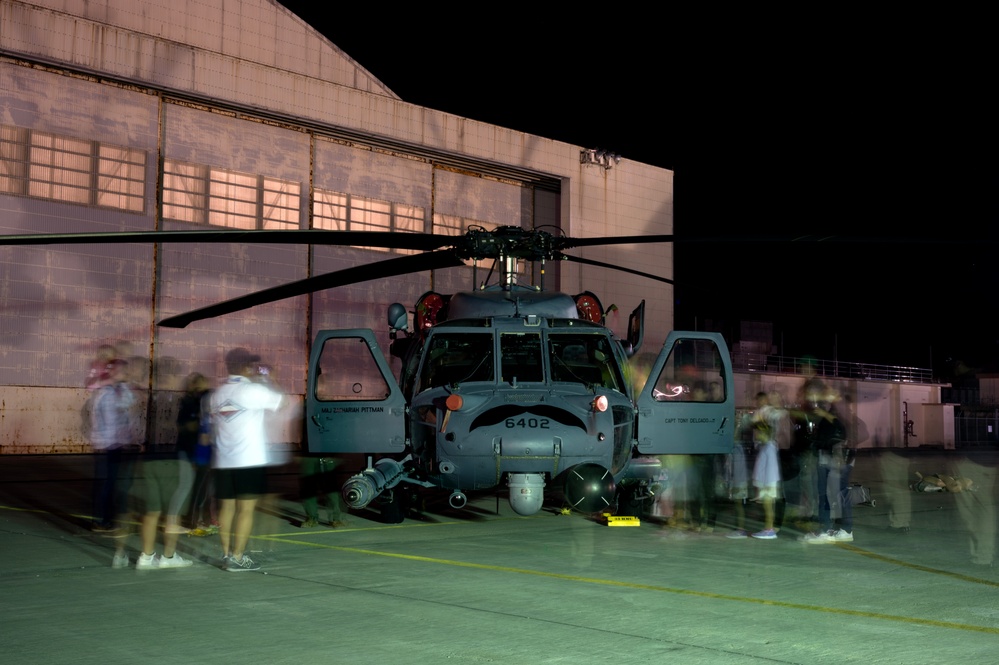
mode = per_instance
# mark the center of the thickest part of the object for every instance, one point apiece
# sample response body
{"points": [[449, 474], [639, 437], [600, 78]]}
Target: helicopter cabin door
{"points": [[354, 404], [687, 405]]}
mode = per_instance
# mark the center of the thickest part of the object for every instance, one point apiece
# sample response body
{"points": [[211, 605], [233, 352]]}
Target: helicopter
{"points": [[504, 385]]}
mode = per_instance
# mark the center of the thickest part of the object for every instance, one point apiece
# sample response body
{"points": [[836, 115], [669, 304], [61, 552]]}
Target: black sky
{"points": [[824, 130]]}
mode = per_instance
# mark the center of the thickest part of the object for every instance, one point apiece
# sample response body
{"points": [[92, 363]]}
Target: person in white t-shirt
{"points": [[238, 410]]}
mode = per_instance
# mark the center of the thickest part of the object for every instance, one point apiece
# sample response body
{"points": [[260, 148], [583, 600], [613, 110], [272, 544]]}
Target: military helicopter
{"points": [[507, 384]]}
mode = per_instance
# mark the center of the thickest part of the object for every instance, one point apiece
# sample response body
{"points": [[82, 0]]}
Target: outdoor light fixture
{"points": [[599, 157]]}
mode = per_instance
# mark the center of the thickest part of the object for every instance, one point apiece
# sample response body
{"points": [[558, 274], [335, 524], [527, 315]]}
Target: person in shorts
{"points": [[238, 411]]}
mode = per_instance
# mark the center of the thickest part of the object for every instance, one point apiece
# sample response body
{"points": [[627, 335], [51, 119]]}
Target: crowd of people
{"points": [[790, 463], [209, 481]]}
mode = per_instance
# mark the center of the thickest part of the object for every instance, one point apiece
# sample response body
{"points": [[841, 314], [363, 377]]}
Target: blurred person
{"points": [[977, 508], [779, 420], [703, 483], [112, 431], [240, 458], [834, 463], [98, 373], [318, 480], [204, 511], [737, 472], [766, 474], [162, 474], [802, 455], [895, 475], [675, 499], [189, 419]]}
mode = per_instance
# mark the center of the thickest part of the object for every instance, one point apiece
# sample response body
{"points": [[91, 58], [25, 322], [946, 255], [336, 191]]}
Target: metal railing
{"points": [[757, 362], [976, 430]]}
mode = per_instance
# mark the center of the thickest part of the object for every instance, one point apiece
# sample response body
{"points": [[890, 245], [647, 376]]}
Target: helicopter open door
{"points": [[636, 328], [687, 405], [354, 404]]}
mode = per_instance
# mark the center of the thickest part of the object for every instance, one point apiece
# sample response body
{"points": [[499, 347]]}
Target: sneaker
{"points": [[234, 565], [737, 534], [766, 534], [841, 536], [817, 538], [175, 561], [147, 561], [119, 561]]}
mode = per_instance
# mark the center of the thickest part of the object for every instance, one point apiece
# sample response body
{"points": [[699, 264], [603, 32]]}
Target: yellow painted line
{"points": [[663, 589], [916, 566]]}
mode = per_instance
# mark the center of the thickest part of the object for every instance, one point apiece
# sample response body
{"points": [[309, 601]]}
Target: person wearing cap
{"points": [[238, 410]]}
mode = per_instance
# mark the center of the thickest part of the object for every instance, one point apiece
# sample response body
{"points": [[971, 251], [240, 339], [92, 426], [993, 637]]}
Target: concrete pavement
{"points": [[474, 586]]}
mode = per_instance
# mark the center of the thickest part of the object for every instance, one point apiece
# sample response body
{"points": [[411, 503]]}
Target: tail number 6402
{"points": [[529, 423]]}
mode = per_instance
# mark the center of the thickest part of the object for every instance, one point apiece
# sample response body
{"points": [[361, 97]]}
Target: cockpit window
{"points": [[693, 373], [347, 371], [585, 358], [453, 358], [521, 357]]}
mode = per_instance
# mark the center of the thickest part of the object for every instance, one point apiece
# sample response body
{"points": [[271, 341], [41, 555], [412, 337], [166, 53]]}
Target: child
{"points": [[766, 476]]}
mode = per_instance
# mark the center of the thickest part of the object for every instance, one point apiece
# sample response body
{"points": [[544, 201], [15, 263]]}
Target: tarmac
{"points": [[484, 585]]}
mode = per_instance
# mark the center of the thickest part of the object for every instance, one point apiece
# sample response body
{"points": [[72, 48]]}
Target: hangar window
{"points": [[72, 170], [206, 195], [336, 211], [454, 225]]}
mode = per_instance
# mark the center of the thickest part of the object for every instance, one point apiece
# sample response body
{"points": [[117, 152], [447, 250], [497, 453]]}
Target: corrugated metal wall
{"points": [[61, 303]]}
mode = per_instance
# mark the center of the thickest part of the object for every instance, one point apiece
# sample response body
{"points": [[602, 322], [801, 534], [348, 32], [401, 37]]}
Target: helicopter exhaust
{"points": [[457, 499], [589, 488], [360, 490]]}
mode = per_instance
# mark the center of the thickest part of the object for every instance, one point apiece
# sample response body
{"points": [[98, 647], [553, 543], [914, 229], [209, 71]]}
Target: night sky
{"points": [[877, 142]]}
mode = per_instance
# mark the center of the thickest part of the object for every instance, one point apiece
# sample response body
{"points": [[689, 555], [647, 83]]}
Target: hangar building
{"points": [[142, 115]]}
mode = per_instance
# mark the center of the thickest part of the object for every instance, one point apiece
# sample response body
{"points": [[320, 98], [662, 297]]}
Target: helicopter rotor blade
{"points": [[601, 264], [565, 243], [416, 241], [398, 266]]}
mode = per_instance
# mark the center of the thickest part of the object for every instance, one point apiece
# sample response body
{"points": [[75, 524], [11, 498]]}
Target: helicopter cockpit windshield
{"points": [[521, 354], [454, 358], [583, 359]]}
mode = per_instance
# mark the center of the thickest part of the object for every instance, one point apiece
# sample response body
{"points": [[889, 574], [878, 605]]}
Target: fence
{"points": [[754, 362], [976, 430]]}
